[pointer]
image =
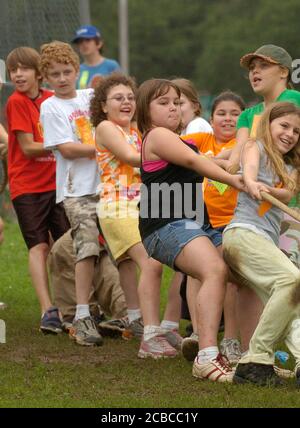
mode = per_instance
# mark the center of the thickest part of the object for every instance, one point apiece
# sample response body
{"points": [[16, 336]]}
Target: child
{"points": [[68, 132], [250, 242], [167, 232], [220, 201], [95, 65], [270, 70], [31, 171], [118, 153], [190, 106]]}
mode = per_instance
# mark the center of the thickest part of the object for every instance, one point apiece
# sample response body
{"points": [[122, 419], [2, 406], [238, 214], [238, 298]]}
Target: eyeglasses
{"points": [[122, 98]]}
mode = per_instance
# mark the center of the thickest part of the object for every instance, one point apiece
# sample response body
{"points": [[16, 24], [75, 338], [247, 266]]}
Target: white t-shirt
{"points": [[68, 121], [197, 125]]}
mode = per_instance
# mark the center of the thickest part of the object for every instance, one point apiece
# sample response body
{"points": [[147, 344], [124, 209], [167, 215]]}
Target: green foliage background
{"points": [[201, 40]]}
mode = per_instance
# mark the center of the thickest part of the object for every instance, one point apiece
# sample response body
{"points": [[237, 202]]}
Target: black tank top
{"points": [[169, 194]]}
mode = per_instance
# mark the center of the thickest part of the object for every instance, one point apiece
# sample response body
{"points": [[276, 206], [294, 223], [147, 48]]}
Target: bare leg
{"points": [[84, 273], [129, 283], [230, 312], [149, 284], [213, 275], [249, 310], [38, 270], [192, 290], [173, 308]]}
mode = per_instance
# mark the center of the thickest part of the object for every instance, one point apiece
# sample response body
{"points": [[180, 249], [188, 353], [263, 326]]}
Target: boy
{"points": [[68, 132], [95, 65], [31, 174]]}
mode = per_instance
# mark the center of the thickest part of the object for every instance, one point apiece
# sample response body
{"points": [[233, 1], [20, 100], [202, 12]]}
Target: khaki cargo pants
{"points": [[107, 291]]}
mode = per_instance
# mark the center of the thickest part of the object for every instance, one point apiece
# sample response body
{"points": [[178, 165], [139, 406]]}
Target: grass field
{"points": [[48, 371]]}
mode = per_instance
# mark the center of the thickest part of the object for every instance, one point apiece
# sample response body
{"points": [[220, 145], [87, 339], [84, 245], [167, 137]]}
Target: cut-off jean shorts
{"points": [[166, 243]]}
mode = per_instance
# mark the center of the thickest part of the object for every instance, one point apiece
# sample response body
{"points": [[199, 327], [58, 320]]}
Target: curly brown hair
{"points": [[60, 52], [101, 91]]}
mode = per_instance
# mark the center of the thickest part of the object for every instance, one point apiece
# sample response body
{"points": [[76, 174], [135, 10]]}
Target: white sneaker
{"points": [[216, 370], [156, 347], [284, 373]]}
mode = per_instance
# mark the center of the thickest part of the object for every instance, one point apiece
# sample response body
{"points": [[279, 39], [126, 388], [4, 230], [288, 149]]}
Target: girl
{"points": [[220, 201], [270, 71], [250, 242], [191, 109], [118, 146], [168, 228]]}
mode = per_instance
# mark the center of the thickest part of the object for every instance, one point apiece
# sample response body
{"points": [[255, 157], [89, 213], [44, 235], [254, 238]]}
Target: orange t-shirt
{"points": [[220, 199]]}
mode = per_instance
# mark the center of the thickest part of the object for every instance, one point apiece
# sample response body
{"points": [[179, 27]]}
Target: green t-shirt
{"points": [[250, 117]]}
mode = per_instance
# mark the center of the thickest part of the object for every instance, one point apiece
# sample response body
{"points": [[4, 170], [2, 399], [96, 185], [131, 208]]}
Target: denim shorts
{"points": [[167, 242]]}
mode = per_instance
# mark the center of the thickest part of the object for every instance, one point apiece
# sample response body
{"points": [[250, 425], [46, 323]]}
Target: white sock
{"points": [[151, 330], [207, 354], [133, 314], [82, 311], [169, 325]]}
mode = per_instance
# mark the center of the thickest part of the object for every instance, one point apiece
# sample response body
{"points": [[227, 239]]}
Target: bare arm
{"points": [[282, 194], [166, 145], [111, 138], [250, 163], [234, 160], [29, 147], [76, 150]]}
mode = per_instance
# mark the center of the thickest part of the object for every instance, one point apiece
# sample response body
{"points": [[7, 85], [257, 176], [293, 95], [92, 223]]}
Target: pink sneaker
{"points": [[217, 369], [156, 347]]}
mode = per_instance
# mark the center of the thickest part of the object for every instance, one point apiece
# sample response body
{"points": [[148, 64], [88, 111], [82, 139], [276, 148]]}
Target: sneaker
{"points": [[232, 350], [190, 347], [3, 305], [67, 325], [50, 322], [174, 339], [258, 374], [284, 373], [217, 369], [113, 327], [135, 329], [156, 347], [84, 332]]}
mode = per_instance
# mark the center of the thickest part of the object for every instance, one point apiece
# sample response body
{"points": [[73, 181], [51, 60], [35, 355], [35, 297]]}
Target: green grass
{"points": [[49, 371]]}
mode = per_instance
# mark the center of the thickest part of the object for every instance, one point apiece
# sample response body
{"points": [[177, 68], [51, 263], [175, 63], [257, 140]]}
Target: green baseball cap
{"points": [[270, 53]]}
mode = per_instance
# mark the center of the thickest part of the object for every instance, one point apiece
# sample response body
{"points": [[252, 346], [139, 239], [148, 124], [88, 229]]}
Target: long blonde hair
{"points": [[276, 160]]}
